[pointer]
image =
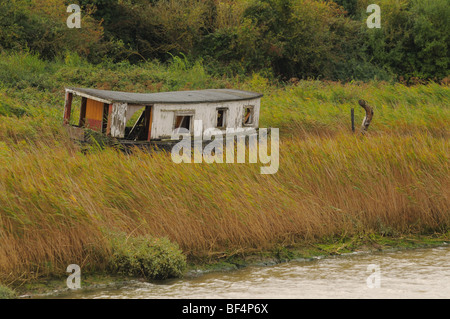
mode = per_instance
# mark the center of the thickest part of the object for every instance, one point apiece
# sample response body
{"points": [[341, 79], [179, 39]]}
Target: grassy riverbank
{"points": [[55, 286], [59, 206]]}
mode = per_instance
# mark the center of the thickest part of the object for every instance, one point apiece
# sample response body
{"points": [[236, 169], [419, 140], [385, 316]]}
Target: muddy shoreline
{"points": [[56, 287]]}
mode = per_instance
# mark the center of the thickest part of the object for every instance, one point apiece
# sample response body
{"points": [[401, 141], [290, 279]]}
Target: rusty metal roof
{"points": [[175, 97]]}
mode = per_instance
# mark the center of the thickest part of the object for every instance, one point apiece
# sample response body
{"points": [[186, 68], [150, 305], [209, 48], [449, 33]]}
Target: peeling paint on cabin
{"points": [[164, 115], [119, 120]]}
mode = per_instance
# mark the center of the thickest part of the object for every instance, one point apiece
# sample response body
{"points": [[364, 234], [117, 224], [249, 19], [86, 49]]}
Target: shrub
{"points": [[6, 293], [413, 39], [40, 26], [292, 38], [152, 258]]}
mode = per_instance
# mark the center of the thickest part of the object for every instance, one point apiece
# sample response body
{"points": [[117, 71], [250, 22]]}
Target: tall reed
{"points": [[59, 206]]}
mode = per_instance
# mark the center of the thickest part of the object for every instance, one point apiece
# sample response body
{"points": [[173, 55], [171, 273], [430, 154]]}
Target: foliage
{"points": [[279, 38], [152, 258], [300, 38], [413, 41], [40, 26], [351, 6], [6, 293]]}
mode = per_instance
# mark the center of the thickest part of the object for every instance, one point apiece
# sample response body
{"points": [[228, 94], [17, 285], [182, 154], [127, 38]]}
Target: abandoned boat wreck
{"points": [[143, 118]]}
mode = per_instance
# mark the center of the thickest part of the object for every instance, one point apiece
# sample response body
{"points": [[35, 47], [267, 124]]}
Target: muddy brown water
{"points": [[418, 273]]}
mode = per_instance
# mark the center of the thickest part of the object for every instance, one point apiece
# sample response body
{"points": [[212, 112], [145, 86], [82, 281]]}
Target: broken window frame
{"points": [[224, 114], [251, 115], [183, 114], [140, 130]]}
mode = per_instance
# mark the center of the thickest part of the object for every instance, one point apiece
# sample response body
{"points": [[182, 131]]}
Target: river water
{"points": [[419, 273]]}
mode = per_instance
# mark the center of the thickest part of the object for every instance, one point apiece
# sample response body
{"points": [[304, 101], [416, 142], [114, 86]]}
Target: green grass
{"points": [[318, 106], [307, 107]]}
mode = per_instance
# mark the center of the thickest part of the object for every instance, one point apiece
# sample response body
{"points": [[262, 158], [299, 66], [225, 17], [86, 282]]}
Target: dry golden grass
{"points": [[58, 206]]}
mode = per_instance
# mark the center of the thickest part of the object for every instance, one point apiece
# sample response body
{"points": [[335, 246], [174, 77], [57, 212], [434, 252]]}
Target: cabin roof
{"points": [[175, 97]]}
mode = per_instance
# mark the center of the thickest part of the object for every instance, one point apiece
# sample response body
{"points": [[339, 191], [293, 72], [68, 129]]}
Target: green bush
{"points": [[350, 6], [283, 38], [413, 40], [289, 38], [6, 293], [151, 258]]}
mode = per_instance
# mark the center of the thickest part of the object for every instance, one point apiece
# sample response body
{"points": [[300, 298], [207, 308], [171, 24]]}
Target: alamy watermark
{"points": [[374, 279], [74, 280], [374, 20], [74, 20], [192, 149]]}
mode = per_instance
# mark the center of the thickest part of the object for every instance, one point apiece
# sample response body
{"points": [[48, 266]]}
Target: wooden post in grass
{"points": [[368, 117], [68, 107], [352, 116]]}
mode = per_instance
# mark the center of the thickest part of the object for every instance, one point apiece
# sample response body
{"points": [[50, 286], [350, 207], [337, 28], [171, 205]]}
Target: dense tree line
{"points": [[280, 38]]}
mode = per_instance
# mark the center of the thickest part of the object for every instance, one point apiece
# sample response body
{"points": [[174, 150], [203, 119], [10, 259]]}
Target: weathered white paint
{"points": [[163, 119], [118, 119], [164, 115]]}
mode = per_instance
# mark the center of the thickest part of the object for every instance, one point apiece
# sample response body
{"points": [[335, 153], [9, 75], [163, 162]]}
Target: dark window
{"points": [[183, 121], [105, 117], [139, 125], [248, 115], [221, 117]]}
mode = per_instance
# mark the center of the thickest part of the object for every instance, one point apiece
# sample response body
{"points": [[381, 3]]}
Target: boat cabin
{"points": [[155, 116]]}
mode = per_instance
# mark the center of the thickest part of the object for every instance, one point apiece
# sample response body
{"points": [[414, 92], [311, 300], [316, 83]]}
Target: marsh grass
{"points": [[323, 108], [59, 205]]}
